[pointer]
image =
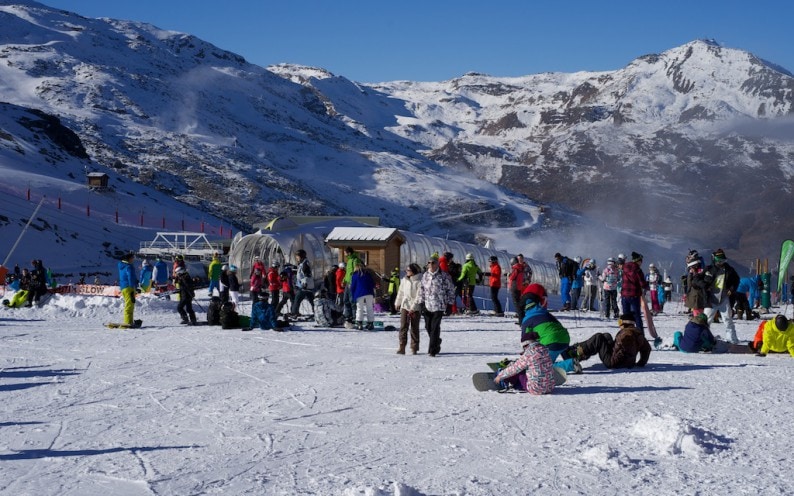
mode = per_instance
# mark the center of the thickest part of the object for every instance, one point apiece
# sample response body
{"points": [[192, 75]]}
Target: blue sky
{"points": [[435, 40]]}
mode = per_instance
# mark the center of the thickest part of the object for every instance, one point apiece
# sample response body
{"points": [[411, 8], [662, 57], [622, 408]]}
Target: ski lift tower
{"points": [[190, 245]]}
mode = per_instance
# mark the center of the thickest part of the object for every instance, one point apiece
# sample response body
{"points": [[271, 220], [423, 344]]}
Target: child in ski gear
{"points": [[620, 352], [495, 283], [721, 282], [127, 284], [326, 312], [696, 336], [186, 295], [634, 286], [362, 290], [436, 293], [410, 309], [532, 371], [550, 331], [778, 336]]}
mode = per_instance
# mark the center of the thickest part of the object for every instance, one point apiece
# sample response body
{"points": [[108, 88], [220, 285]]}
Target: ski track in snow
{"points": [[201, 410]]}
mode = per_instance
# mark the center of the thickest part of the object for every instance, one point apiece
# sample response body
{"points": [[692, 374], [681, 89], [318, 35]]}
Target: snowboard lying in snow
{"points": [[483, 381]]}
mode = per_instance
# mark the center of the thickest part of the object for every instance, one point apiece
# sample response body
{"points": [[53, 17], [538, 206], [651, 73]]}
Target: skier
{"points": [[634, 286], [362, 291]]}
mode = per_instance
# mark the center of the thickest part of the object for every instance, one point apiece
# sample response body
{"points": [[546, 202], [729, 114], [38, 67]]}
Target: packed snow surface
{"points": [[174, 410]]}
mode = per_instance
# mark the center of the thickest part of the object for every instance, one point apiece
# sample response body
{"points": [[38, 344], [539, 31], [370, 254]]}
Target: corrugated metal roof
{"points": [[361, 234]]}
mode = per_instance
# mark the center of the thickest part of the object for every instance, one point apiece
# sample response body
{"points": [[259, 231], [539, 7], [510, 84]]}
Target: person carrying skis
{"points": [[186, 295], [128, 282]]}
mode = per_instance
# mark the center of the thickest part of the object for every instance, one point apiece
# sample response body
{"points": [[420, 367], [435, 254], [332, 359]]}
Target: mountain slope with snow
{"points": [[582, 162]]}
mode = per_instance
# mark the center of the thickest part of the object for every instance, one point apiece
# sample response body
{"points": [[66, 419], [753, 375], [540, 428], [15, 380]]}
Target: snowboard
{"points": [[560, 376], [648, 318], [136, 324], [483, 381]]}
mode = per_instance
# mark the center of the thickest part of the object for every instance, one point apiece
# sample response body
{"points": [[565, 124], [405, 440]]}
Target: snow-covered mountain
{"points": [[503, 158]]}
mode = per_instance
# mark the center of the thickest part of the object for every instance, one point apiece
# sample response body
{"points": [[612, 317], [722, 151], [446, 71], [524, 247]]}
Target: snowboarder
{"points": [[532, 371], [696, 337], [620, 352], [552, 334], [128, 281]]}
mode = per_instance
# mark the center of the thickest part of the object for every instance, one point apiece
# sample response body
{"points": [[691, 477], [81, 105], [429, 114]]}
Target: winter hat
{"points": [[610, 261], [719, 255], [700, 319], [621, 257], [636, 257], [781, 322], [557, 256], [536, 290]]}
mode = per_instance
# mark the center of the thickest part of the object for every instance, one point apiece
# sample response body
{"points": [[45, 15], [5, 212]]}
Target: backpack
{"points": [[214, 311], [454, 271], [228, 317]]}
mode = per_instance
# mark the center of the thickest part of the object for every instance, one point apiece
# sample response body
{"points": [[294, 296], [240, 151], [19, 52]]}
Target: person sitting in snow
{"points": [[620, 352], [696, 336], [552, 334], [263, 314], [326, 312], [532, 371], [778, 336]]}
